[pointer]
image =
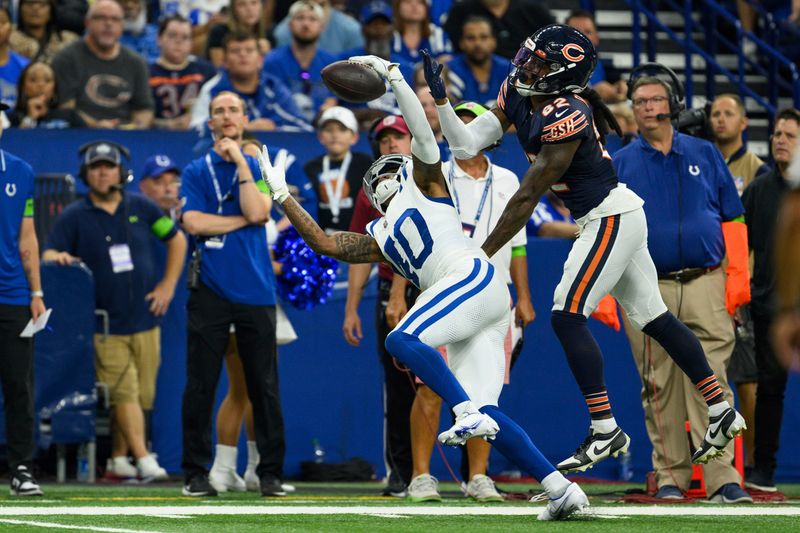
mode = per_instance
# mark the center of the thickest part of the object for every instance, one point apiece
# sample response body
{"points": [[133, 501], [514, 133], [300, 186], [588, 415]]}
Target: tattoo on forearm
{"points": [[355, 248], [304, 223]]}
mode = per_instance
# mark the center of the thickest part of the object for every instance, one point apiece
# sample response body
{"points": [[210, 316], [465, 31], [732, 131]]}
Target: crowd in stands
{"points": [[139, 64]]}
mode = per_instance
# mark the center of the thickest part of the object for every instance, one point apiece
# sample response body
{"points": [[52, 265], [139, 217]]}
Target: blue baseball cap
{"points": [[376, 8], [157, 165]]}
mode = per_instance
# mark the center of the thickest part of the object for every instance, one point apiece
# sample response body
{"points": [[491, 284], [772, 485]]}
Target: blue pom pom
{"points": [[308, 277]]}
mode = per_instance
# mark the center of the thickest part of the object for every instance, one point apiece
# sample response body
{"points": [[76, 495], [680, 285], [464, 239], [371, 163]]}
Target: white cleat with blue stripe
{"points": [[468, 426], [573, 499]]}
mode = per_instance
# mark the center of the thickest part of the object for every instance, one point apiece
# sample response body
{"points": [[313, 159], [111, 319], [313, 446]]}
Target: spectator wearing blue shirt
{"points": [[112, 233], [476, 74], [376, 25], [225, 206], [11, 63], [299, 63], [694, 221], [342, 32], [551, 218], [137, 34], [269, 103], [21, 299], [414, 31], [605, 79]]}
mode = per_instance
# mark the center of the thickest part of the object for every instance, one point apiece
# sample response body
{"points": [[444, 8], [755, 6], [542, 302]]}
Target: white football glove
{"points": [[386, 69], [275, 176]]}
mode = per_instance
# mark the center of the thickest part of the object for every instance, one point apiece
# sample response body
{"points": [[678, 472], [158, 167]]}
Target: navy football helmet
{"points": [[556, 59]]}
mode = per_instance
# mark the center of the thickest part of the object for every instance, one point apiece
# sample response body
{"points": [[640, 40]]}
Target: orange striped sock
{"points": [[710, 389], [598, 404]]}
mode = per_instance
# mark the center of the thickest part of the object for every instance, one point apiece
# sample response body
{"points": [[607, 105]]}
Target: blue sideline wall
{"points": [[332, 391]]}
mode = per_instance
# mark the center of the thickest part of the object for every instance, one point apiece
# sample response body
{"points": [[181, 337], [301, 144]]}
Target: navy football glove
{"points": [[433, 77]]}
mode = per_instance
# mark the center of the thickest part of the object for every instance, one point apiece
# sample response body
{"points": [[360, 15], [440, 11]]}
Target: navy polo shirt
{"points": [[16, 202], [88, 232], [687, 194], [241, 270]]}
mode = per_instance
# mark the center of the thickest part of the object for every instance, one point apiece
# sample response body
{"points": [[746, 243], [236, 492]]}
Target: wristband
{"points": [[37, 294]]}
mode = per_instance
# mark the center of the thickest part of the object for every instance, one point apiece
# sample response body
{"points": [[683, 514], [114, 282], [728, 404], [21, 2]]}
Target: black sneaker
{"points": [[594, 449], [271, 486], [24, 484], [198, 486], [395, 488], [759, 480]]}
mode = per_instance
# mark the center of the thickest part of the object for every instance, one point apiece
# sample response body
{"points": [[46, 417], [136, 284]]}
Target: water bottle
{"points": [[319, 451], [83, 463], [625, 467]]}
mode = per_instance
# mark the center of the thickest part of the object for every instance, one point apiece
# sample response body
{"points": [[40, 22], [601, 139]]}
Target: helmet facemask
{"points": [[530, 71], [382, 179]]}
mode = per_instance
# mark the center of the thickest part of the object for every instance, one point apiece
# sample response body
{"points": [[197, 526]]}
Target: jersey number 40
{"points": [[410, 244]]}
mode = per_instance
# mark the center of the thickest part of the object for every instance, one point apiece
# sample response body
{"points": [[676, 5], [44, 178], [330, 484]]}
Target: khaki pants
{"points": [[128, 365], [669, 397]]}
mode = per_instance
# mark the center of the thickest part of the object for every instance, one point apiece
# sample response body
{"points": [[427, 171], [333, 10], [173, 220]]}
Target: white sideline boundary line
{"points": [[52, 525], [239, 510]]}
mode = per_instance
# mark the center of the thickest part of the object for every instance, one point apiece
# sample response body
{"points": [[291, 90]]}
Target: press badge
{"points": [[469, 229], [120, 258], [215, 243]]}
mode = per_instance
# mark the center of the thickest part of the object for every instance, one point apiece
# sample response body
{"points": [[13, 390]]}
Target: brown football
{"points": [[353, 81]]}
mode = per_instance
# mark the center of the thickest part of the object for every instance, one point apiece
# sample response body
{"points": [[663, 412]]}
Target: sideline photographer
{"points": [[695, 219]]}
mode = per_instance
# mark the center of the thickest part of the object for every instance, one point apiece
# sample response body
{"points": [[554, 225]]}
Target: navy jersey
{"points": [[174, 91], [590, 176]]}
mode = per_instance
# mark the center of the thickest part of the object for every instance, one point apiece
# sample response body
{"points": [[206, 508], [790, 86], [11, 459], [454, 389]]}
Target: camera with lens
{"points": [[694, 122]]}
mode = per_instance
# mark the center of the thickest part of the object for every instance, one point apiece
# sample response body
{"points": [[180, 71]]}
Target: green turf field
{"points": [[356, 507]]}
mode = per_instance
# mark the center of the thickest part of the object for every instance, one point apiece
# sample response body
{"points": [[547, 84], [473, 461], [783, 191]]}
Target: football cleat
{"points": [[594, 449], [573, 499], [721, 429], [468, 426]]}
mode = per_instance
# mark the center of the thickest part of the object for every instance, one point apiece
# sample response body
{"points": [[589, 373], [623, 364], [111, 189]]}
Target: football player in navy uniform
{"points": [[561, 124]]}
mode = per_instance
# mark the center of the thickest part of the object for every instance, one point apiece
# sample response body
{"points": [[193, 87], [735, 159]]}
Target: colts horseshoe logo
{"points": [[694, 170], [11, 189], [568, 50]]}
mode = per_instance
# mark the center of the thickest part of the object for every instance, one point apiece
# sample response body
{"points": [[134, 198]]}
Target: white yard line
{"points": [[186, 510], [70, 526]]}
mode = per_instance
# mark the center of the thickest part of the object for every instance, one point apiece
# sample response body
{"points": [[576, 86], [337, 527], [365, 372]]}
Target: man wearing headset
{"points": [[695, 219], [111, 231]]}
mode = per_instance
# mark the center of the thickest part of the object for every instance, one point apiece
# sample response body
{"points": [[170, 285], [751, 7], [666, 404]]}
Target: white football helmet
{"points": [[382, 179]]}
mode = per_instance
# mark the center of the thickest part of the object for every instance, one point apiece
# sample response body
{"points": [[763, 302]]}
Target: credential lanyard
{"points": [[486, 187], [335, 197], [214, 180]]}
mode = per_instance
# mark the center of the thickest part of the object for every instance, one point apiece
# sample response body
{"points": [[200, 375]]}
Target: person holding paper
{"points": [[21, 300]]}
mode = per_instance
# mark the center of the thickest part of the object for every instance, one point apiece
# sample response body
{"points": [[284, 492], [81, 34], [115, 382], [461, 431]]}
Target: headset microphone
{"points": [[664, 116]]}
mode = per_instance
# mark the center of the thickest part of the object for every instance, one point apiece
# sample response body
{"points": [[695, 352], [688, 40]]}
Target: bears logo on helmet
{"points": [[556, 59]]}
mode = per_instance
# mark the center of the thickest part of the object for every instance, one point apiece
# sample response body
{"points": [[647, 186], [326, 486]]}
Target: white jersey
{"points": [[422, 237]]}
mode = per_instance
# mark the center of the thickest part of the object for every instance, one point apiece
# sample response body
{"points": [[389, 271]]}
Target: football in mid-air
{"points": [[354, 82]]}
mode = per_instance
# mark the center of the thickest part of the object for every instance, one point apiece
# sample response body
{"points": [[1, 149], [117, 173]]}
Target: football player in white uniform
{"points": [[464, 303]]}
